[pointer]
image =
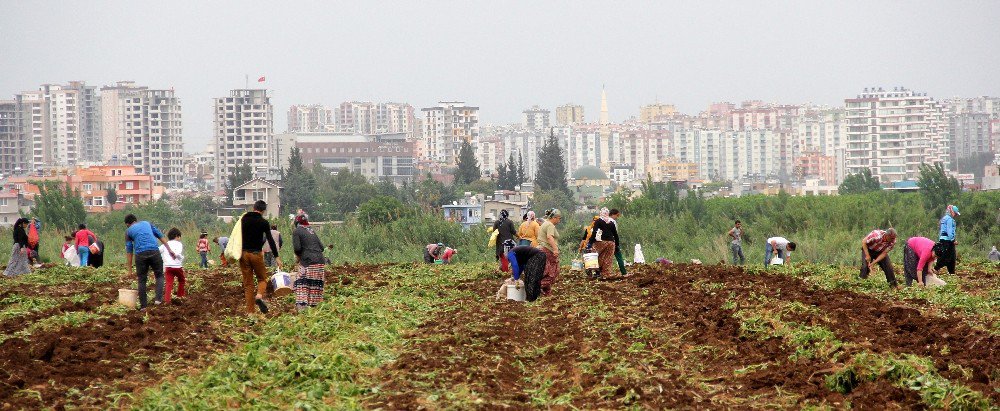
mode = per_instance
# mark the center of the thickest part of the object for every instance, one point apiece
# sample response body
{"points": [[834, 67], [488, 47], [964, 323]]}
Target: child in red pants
{"points": [[173, 267]]}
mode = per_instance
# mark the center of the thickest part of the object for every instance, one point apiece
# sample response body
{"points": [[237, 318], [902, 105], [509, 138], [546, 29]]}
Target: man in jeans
{"points": [[141, 246], [875, 248], [736, 233], [256, 230]]}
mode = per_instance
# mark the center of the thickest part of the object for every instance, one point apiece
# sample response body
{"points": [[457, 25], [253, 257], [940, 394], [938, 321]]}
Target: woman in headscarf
{"points": [[528, 265], [528, 231], [506, 231], [602, 240], [919, 255], [548, 238], [309, 257], [18, 263]]}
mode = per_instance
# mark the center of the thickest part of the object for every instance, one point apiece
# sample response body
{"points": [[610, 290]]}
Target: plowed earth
{"points": [[662, 338]]}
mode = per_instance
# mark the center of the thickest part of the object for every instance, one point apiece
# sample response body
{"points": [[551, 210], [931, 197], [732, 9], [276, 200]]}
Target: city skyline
{"points": [[727, 52]]}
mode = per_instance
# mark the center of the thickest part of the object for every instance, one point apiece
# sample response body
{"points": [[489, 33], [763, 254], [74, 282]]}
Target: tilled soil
{"points": [[119, 354], [659, 340]]}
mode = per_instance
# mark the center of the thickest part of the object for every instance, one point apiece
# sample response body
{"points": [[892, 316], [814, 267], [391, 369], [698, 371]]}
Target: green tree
{"points": [[238, 176], [521, 178], [298, 186], [468, 167], [198, 210], [431, 194], [546, 199], [478, 187], [511, 177], [551, 174], [385, 187], [859, 183], [381, 210], [937, 188], [503, 176], [343, 193], [112, 196], [58, 205]]}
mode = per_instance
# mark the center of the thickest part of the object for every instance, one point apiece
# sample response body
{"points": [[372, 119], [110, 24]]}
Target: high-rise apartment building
{"points": [[969, 125], [369, 118], [60, 123], [154, 141], [892, 132], [446, 126], [310, 118], [243, 132], [113, 120], [14, 145], [536, 118], [651, 112], [569, 114]]}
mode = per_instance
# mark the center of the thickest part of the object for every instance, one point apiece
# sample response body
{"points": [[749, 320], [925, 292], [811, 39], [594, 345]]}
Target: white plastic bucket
{"points": [[515, 293], [128, 297], [777, 261], [590, 261], [282, 283]]}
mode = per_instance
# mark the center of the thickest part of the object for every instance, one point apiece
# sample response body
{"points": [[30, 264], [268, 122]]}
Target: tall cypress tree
{"points": [[521, 178], [299, 185], [468, 167], [502, 176], [551, 170], [512, 176]]}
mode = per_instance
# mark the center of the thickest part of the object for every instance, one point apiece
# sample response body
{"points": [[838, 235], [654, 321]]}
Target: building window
{"points": [[98, 201], [88, 186], [258, 195]]}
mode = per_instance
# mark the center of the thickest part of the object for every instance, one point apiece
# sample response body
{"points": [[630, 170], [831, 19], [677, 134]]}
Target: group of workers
{"points": [[922, 257]]}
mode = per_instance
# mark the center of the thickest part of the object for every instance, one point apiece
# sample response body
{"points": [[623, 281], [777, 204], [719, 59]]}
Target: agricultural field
{"points": [[406, 336]]}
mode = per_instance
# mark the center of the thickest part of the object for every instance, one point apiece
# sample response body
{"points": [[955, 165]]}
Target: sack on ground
{"points": [[934, 281]]}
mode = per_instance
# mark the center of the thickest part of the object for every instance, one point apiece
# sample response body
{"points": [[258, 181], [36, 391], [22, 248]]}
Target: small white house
{"points": [[244, 195]]}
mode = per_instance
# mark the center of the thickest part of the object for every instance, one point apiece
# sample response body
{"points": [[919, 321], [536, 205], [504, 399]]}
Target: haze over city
{"points": [[503, 57]]}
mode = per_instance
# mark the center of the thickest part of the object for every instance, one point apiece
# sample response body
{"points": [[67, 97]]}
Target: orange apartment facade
{"points": [[94, 183]]}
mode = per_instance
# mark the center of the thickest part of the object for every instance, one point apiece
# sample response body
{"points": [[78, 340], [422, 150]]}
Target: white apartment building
{"points": [[498, 143], [310, 118], [536, 118], [243, 132], [154, 141], [892, 132], [824, 130], [374, 118], [734, 155], [60, 123], [568, 114], [446, 126], [969, 125]]}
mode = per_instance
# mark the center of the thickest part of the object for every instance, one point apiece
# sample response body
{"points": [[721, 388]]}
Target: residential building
{"points": [[498, 143], [376, 159], [569, 114], [446, 126], [467, 211], [815, 165], [969, 125], [516, 204], [14, 145], [656, 111], [248, 193], [670, 169], [622, 174], [10, 207], [153, 133], [892, 132], [94, 184], [61, 123], [536, 118], [243, 132], [114, 121], [310, 118], [283, 146], [356, 117]]}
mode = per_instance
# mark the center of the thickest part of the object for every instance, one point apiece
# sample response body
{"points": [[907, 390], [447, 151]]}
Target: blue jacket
{"points": [[947, 228], [142, 236]]}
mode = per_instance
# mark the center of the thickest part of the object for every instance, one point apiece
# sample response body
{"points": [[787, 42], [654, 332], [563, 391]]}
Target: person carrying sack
{"points": [[255, 230]]}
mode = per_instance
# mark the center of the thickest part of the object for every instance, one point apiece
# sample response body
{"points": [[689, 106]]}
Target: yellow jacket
{"points": [[529, 231]]}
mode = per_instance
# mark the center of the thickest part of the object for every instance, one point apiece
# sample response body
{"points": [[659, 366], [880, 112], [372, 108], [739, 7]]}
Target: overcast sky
{"points": [[504, 56]]}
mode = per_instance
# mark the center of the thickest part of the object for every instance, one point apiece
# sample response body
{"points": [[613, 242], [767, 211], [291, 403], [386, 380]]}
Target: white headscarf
{"points": [[605, 215], [531, 216]]}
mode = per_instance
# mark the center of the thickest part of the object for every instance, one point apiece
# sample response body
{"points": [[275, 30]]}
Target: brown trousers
{"points": [[252, 266]]}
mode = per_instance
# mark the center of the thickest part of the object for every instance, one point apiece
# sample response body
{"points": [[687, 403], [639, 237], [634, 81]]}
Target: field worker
{"points": [[173, 266], [528, 231], [268, 253], [615, 214], [18, 263], [947, 240], [140, 245], [778, 247], [527, 262], [84, 238], [602, 240], [875, 248], [587, 229], [736, 245], [308, 250], [203, 249], [432, 251], [97, 260], [548, 237], [506, 232], [69, 252], [918, 254], [256, 231], [222, 242], [448, 254], [994, 255]]}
